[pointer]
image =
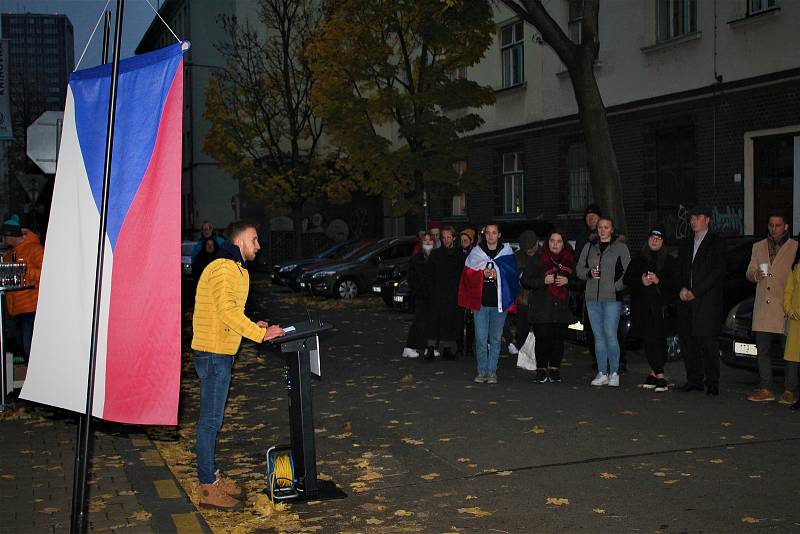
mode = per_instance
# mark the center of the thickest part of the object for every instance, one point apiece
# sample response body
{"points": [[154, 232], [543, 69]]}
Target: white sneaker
{"points": [[512, 349], [408, 352], [601, 380], [613, 380]]}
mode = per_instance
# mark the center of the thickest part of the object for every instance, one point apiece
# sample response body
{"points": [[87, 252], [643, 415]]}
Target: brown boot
{"points": [[212, 496], [228, 485]]}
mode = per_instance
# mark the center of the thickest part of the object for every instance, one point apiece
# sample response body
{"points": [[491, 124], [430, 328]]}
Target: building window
{"points": [[757, 6], [512, 52], [575, 19], [580, 184], [458, 206], [459, 73], [675, 18], [513, 184]]}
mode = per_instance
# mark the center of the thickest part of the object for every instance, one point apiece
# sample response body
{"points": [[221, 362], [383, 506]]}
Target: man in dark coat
{"points": [[701, 263], [447, 263]]}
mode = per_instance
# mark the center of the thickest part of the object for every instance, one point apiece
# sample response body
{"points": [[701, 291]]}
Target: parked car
{"points": [[402, 298], [390, 274], [737, 344], [285, 273], [354, 252], [186, 258], [351, 276]]}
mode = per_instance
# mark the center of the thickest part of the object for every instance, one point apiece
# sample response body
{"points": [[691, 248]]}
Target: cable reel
{"points": [[281, 479]]}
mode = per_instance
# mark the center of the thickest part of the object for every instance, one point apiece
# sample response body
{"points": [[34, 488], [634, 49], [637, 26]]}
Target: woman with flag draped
{"points": [[489, 285]]}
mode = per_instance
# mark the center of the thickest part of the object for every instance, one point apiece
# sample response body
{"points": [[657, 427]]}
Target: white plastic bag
{"points": [[526, 359]]}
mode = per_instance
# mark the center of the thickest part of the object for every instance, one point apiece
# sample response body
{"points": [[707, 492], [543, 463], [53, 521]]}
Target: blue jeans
{"points": [[214, 371], [604, 316], [488, 332]]}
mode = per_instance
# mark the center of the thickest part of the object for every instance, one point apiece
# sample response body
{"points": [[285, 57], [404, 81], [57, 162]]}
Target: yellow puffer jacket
{"points": [[219, 322]]}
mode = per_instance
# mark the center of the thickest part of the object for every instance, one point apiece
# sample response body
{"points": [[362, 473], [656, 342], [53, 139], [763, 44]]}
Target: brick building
{"points": [[703, 107]]}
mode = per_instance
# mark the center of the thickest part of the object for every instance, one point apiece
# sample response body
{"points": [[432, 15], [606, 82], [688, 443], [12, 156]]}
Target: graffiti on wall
{"points": [[727, 220]]}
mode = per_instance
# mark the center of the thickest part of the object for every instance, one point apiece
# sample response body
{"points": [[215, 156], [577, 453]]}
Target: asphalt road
{"points": [[418, 447]]}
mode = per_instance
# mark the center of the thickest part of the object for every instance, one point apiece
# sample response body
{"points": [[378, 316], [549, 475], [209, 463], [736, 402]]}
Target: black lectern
{"points": [[302, 339]]}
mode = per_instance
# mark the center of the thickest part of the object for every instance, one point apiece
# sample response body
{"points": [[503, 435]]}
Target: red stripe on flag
{"points": [[144, 352], [470, 289]]}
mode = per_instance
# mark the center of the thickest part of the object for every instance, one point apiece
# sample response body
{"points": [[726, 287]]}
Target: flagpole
{"points": [[79, 485]]}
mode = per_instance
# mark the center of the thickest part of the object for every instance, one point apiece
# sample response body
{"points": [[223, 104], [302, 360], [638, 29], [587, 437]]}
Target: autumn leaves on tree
{"points": [[378, 80], [325, 98]]}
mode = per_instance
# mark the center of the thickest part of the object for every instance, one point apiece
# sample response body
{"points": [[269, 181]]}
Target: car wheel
{"points": [[673, 349], [347, 289]]}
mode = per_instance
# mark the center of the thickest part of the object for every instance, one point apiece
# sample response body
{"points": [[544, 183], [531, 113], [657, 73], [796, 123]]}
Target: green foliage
{"points": [[387, 90], [263, 130]]}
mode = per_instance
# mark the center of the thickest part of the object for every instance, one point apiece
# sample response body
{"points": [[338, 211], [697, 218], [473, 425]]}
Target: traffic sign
{"points": [[44, 137]]}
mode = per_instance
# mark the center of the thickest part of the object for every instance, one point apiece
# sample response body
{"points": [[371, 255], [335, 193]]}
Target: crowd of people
{"points": [[465, 284]]}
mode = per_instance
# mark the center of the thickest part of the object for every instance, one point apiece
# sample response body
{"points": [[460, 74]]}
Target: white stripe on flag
{"points": [[59, 362]]}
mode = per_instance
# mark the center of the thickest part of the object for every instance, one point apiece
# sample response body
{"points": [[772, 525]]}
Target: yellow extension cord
{"points": [[281, 476]]}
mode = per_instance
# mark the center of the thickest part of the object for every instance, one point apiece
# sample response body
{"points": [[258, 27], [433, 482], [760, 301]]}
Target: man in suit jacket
{"points": [[776, 253], [701, 259]]}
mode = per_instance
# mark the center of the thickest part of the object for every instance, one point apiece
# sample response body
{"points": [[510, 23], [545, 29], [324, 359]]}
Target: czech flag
{"points": [[137, 375], [470, 289]]}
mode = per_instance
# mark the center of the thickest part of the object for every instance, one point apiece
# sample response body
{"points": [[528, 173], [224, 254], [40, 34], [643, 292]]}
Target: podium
{"points": [[300, 343]]}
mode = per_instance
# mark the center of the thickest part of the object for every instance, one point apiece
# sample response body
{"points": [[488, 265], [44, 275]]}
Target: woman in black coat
{"points": [[548, 275], [420, 280], [653, 278]]}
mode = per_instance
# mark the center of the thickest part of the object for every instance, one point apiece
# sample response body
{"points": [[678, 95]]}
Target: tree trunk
{"points": [[602, 159]]}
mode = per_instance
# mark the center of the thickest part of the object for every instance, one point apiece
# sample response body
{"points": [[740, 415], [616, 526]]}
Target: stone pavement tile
{"points": [[36, 464]]}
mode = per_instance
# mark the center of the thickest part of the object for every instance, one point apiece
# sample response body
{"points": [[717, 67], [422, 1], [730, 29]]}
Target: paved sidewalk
{"points": [[131, 490]]}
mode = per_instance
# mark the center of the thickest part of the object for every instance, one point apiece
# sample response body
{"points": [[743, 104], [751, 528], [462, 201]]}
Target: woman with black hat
{"points": [[653, 278]]}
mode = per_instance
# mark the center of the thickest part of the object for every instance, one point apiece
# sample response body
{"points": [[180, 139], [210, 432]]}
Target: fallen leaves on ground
{"points": [[751, 520], [429, 476], [716, 461], [402, 513], [557, 501], [536, 430], [598, 510], [474, 511], [412, 441], [503, 473], [608, 476]]}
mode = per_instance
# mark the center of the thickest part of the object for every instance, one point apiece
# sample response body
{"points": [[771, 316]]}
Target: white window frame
{"points": [[513, 184], [580, 182], [685, 8], [459, 201], [754, 7], [512, 54]]}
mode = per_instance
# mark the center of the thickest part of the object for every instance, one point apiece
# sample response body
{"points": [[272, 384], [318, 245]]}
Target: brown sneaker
{"points": [[212, 496], [761, 395], [228, 485], [788, 397]]}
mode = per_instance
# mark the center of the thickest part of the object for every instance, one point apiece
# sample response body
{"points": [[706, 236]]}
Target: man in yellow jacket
{"points": [[21, 305], [218, 324]]}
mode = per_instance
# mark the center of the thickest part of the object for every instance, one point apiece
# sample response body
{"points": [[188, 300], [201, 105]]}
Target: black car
{"points": [[737, 344], [403, 298], [352, 276], [390, 274], [285, 273]]}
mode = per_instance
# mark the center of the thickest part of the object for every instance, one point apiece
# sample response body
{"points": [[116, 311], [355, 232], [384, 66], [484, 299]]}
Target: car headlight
{"points": [[730, 320], [323, 274], [287, 268]]}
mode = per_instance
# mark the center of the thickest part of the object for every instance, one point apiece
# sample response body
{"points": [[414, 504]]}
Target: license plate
{"points": [[302, 284], [398, 298], [576, 326], [747, 349], [376, 289]]}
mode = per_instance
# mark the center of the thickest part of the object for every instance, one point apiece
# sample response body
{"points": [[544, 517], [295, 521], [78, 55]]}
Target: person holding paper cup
{"points": [[769, 268]]}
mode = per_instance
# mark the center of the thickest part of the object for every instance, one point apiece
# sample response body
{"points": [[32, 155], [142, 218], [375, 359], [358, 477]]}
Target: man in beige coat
{"points": [[770, 265]]}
